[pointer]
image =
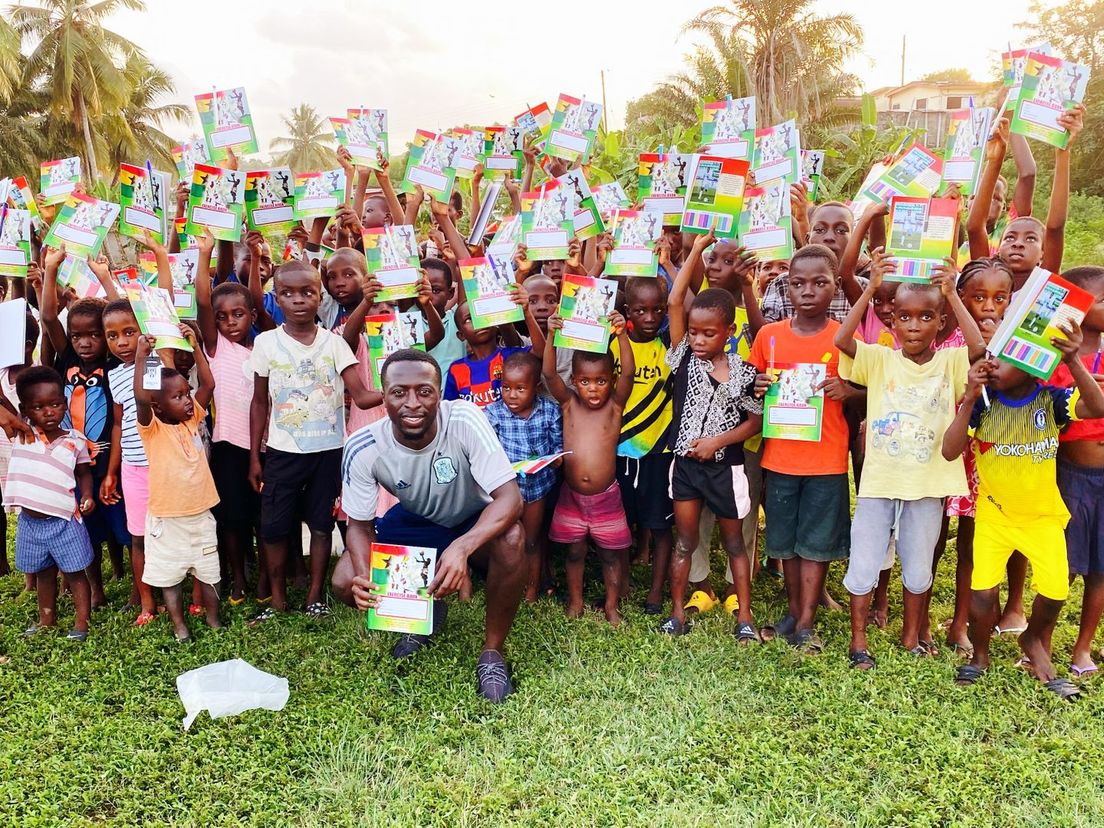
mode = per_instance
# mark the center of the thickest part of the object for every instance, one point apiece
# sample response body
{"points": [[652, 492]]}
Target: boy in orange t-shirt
{"points": [[807, 496], [180, 529]]}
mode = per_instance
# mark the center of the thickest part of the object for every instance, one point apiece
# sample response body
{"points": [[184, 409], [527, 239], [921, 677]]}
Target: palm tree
{"points": [[9, 60], [793, 54], [135, 133], [77, 61], [25, 135], [307, 147], [789, 58]]}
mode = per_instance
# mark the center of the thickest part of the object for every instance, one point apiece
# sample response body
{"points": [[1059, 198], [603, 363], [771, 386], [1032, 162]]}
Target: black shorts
{"points": [[299, 487], [239, 506], [723, 488], [645, 490]]}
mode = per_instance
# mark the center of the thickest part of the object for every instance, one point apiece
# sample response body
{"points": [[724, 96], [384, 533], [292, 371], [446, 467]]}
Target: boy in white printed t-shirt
{"points": [[301, 372]]}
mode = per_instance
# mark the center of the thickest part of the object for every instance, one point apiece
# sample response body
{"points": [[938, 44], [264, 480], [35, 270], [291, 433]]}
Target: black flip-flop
{"points": [[746, 634], [784, 627], [673, 627], [652, 609], [1063, 689], [862, 660], [968, 674], [807, 642]]}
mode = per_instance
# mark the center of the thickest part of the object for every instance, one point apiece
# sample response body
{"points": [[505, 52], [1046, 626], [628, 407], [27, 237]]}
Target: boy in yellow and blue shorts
{"points": [[1019, 508]]}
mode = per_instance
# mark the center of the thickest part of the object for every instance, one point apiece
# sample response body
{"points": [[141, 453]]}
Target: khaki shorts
{"points": [[176, 546]]}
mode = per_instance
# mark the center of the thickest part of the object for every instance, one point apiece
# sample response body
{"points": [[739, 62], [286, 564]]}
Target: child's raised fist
{"points": [[555, 322], [945, 276], [519, 296], [880, 265], [1071, 343], [54, 257], [702, 242], [424, 289], [100, 267], [617, 323], [345, 160], [998, 141], [206, 242], [144, 347], [1073, 122]]}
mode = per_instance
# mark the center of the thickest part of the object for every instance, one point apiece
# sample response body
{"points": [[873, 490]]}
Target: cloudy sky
{"points": [[434, 64]]}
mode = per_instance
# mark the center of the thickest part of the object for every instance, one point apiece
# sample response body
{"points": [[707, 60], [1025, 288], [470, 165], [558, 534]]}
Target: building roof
{"points": [[966, 86]]}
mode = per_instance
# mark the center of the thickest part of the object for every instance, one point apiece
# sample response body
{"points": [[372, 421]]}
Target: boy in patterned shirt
{"points": [[715, 410]]}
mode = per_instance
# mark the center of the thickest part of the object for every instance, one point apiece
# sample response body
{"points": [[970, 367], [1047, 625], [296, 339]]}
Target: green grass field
{"points": [[608, 727]]}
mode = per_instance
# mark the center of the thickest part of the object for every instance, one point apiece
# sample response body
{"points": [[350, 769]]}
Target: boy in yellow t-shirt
{"points": [[643, 458], [911, 396], [1019, 506]]}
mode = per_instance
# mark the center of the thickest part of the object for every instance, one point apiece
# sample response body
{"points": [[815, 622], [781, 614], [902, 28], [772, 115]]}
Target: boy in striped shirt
{"points": [[42, 477]]}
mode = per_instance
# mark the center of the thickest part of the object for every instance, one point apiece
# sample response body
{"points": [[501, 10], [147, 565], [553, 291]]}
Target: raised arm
{"points": [[476, 197], [1091, 404], [161, 255], [873, 215], [676, 301], [413, 204], [944, 276], [102, 271], [354, 323], [1024, 190], [255, 241], [552, 381], [388, 190], [143, 399], [48, 307], [206, 389], [1054, 234], [845, 336], [957, 435], [456, 242], [976, 232], [435, 328], [205, 312], [627, 376]]}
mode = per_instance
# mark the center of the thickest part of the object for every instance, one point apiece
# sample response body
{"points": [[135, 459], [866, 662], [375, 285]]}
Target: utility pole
{"points": [[605, 109], [903, 37]]}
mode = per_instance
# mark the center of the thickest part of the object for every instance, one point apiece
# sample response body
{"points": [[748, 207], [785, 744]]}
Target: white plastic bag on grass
{"points": [[228, 688]]}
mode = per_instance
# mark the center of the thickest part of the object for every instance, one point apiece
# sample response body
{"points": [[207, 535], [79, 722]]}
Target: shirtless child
{"points": [[590, 500]]}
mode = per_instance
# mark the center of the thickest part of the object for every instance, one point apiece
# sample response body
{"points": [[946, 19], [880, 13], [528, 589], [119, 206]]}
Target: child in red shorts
{"points": [[590, 500]]}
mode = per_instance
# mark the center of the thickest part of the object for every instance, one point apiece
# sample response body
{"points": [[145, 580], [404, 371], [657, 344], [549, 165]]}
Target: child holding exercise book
{"points": [[79, 353], [128, 467], [1016, 429], [805, 457], [715, 410], [590, 499], [226, 316], [180, 530], [911, 397]]}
